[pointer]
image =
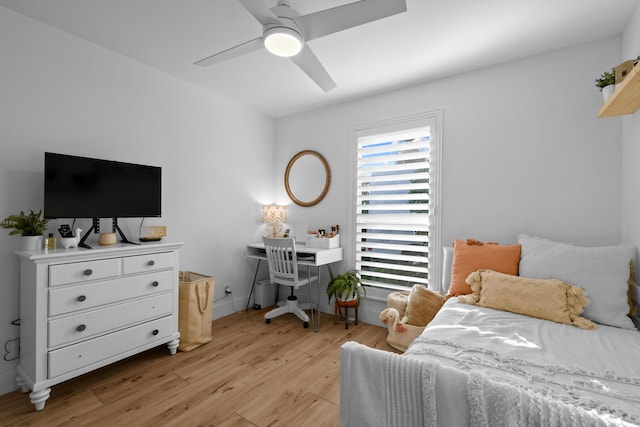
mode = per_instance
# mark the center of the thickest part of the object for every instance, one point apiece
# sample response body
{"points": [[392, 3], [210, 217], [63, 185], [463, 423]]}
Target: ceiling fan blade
{"points": [[340, 18], [260, 11], [241, 49], [307, 61]]}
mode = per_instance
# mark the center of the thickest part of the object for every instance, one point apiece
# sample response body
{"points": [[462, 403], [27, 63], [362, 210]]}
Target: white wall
{"points": [[62, 94], [523, 150], [631, 150]]}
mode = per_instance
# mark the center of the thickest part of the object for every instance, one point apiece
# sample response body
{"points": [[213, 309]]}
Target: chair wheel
{"points": [[306, 324], [267, 321]]}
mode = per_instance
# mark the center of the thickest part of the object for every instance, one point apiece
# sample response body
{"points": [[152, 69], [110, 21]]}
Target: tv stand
{"points": [[122, 236], [95, 227]]}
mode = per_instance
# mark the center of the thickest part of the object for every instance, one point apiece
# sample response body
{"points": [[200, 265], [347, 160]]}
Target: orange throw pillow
{"points": [[471, 255]]}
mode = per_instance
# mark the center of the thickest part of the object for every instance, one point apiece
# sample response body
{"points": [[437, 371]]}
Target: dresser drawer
{"points": [[68, 299], [91, 351], [63, 274], [82, 326], [150, 262]]}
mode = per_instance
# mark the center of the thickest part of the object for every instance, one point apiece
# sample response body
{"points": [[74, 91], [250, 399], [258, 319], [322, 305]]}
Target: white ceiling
{"points": [[433, 39]]}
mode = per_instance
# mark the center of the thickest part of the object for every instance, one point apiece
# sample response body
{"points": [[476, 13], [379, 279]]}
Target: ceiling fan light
{"points": [[283, 41]]}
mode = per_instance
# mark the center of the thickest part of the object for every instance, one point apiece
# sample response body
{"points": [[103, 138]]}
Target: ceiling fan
{"points": [[285, 32]]}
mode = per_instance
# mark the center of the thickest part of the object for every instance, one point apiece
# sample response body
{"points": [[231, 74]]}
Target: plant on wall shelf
{"points": [[31, 224], [346, 287], [606, 79]]}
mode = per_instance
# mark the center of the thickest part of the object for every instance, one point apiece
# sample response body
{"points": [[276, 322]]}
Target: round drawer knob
{"points": [[155, 284], [82, 298], [81, 328], [88, 272], [155, 332], [151, 263]]}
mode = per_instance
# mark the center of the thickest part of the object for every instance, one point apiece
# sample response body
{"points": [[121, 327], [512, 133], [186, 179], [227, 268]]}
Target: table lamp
{"points": [[274, 217]]}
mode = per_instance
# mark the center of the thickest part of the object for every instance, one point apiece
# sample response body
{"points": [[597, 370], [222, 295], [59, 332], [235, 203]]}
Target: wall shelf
{"points": [[625, 99]]}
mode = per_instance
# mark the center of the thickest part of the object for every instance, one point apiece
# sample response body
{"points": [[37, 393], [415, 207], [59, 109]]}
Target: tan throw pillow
{"points": [[548, 299], [472, 255], [422, 306], [633, 310]]}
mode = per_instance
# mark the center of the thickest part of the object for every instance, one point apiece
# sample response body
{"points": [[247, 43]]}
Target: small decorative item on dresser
{"points": [[31, 226], [152, 233], [107, 239], [72, 241], [50, 242]]}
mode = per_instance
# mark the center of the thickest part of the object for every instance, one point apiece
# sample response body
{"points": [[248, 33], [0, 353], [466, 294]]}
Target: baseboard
{"points": [[8, 380], [368, 311], [228, 306]]}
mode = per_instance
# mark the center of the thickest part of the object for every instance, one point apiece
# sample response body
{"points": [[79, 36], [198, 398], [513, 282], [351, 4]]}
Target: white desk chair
{"points": [[283, 270]]}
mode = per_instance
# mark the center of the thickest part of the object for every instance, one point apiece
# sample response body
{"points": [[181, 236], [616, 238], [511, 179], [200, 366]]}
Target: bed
{"points": [[480, 366]]}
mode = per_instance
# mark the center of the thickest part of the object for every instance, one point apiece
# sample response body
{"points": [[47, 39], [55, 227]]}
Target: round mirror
{"points": [[307, 178]]}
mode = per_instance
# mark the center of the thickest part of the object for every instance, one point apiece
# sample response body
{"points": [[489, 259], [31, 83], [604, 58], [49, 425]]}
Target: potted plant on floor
{"points": [[346, 287], [30, 226], [606, 83]]}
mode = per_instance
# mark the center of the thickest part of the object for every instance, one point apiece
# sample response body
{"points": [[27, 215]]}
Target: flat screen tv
{"points": [[82, 187]]}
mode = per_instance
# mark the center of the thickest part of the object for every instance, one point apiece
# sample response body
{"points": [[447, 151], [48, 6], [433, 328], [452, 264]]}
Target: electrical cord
{"points": [[233, 306], [7, 351]]}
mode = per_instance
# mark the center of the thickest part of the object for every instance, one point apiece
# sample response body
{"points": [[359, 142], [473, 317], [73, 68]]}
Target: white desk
{"points": [[306, 256], [312, 257]]}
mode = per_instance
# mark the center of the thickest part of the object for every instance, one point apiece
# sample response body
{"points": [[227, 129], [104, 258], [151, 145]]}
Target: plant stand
{"points": [[346, 305]]}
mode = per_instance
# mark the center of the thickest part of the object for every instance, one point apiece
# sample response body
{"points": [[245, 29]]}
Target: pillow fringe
{"points": [[576, 301]]}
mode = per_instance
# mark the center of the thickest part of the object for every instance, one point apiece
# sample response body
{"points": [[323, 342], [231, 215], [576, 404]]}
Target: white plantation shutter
{"points": [[393, 208]]}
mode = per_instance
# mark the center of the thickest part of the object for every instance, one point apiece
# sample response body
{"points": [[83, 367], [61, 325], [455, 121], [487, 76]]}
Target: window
{"points": [[394, 207]]}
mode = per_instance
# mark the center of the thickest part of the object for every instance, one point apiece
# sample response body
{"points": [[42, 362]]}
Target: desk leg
{"points": [[320, 281], [253, 285], [330, 271], [318, 306]]}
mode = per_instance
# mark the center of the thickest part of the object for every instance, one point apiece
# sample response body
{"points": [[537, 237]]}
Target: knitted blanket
{"points": [[379, 388]]}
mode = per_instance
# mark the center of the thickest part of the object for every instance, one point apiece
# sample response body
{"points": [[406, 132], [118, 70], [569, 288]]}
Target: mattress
{"points": [[596, 370]]}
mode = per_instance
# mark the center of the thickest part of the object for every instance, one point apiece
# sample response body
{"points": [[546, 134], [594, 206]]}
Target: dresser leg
{"points": [[38, 398], [173, 345]]}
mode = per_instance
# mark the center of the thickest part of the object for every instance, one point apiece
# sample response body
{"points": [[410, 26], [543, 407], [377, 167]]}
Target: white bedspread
{"points": [[596, 370], [478, 366]]}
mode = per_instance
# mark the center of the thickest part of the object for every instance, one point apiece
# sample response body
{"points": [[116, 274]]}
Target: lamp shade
{"points": [[283, 41], [274, 214]]}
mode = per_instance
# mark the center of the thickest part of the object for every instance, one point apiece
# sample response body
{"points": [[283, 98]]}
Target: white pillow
{"points": [[447, 262], [603, 273]]}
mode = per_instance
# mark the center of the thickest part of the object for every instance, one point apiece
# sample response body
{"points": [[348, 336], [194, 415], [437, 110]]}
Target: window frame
{"points": [[433, 120]]}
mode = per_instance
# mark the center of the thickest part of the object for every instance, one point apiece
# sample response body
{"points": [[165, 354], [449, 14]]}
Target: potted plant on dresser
{"points": [[347, 290], [30, 226]]}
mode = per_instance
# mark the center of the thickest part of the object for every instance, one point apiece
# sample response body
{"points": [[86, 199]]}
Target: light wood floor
{"points": [[251, 374]]}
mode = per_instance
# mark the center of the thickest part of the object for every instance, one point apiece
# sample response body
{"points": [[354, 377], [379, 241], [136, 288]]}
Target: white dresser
{"points": [[81, 309]]}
